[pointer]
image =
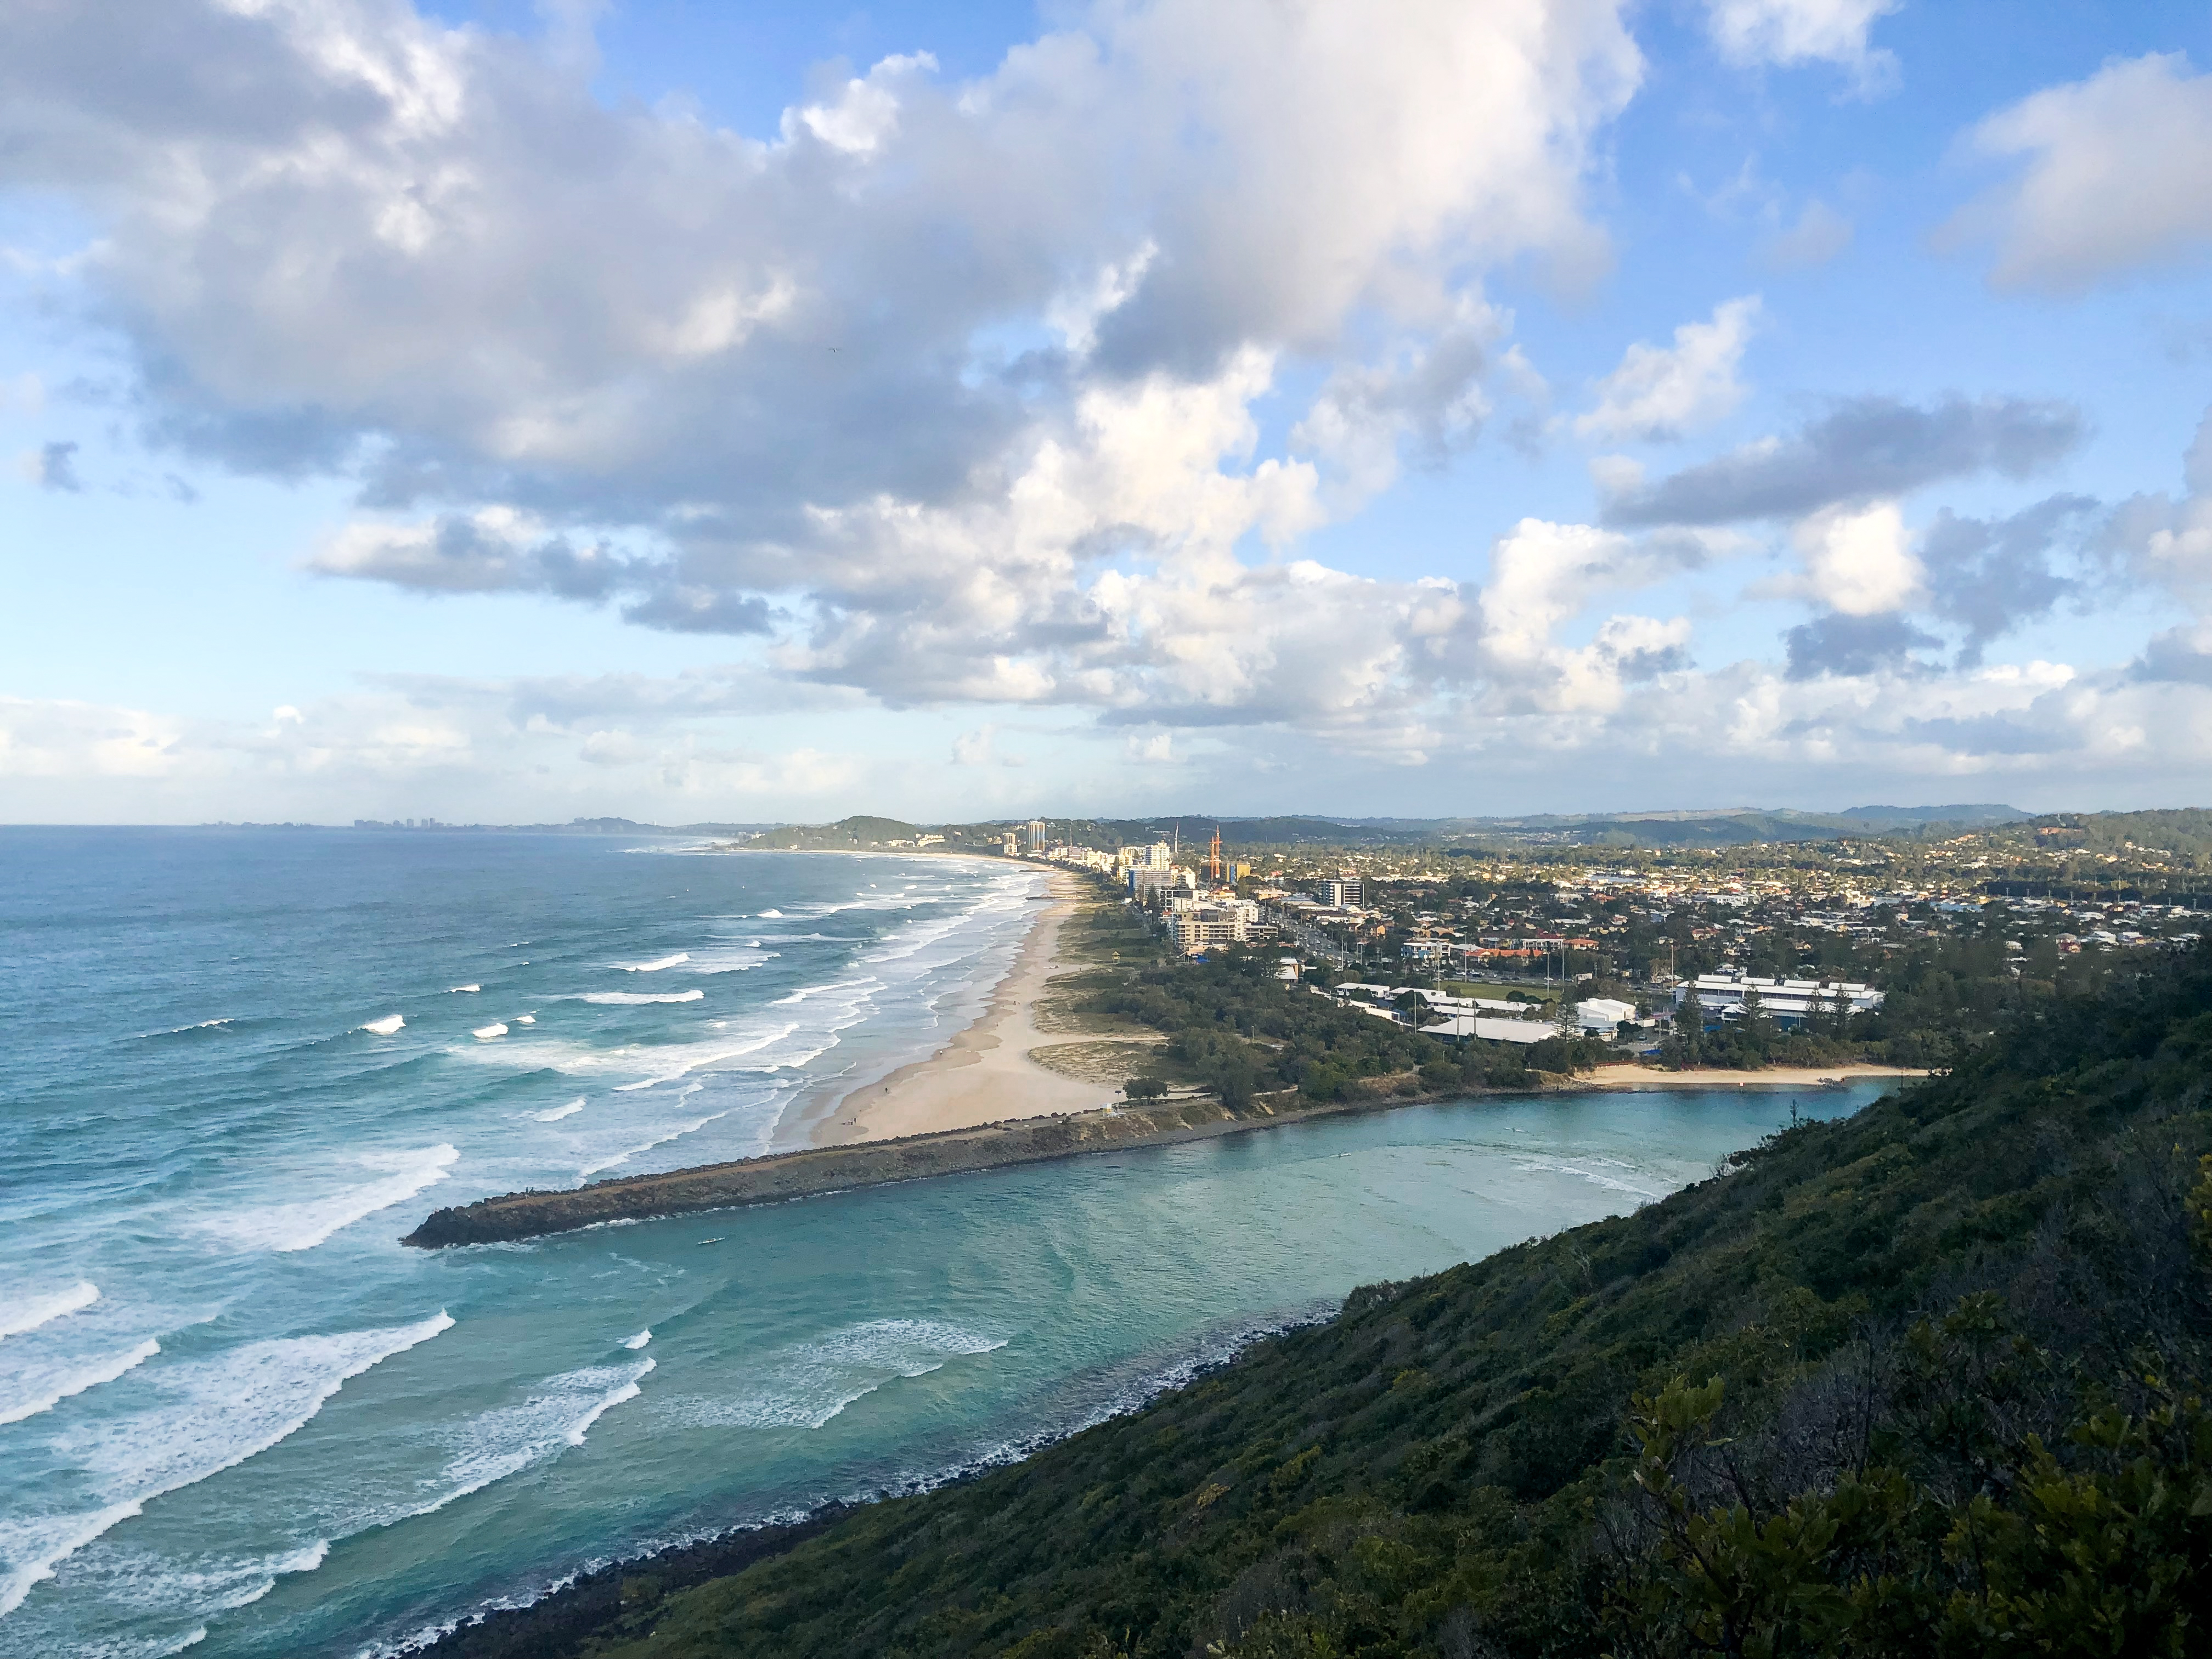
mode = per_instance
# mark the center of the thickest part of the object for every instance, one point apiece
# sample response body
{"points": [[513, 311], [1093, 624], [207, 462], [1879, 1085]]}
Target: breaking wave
{"points": [[810, 1383], [29, 1315], [47, 1386], [655, 965], [216, 1413], [559, 1414], [303, 1225]]}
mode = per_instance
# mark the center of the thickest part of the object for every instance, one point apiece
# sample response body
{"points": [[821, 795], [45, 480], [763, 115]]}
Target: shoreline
{"points": [[1641, 1078], [983, 1073]]}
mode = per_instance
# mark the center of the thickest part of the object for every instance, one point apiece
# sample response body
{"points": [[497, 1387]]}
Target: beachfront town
{"points": [[1515, 947]]}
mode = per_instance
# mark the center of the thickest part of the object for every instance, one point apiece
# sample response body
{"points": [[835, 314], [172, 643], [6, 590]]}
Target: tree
{"points": [[1686, 1047]]}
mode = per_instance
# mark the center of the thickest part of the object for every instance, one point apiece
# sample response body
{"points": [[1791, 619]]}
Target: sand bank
{"points": [[985, 1074], [1774, 1077]]}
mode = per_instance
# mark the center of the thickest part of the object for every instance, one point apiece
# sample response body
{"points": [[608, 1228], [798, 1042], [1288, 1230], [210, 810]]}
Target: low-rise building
{"points": [[1787, 1002], [1602, 1014]]}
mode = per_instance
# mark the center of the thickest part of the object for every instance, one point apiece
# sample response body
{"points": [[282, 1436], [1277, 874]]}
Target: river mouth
{"points": [[342, 1443]]}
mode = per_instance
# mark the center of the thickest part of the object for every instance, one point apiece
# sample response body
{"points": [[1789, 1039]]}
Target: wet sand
{"points": [[984, 1074]]}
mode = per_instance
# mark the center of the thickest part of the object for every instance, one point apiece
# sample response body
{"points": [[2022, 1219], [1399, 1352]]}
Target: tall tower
{"points": [[1213, 855]]}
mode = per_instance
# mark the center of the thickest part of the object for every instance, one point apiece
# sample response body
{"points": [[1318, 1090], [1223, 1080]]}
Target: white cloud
{"points": [[50, 737], [1660, 392], [1787, 32], [1820, 235], [2116, 174], [621, 356], [1858, 561]]}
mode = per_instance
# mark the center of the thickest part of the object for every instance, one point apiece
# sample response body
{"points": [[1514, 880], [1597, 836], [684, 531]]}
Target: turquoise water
{"points": [[240, 1415]]}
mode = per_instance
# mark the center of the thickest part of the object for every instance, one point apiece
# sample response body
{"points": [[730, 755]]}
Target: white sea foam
{"points": [[303, 1225], [215, 1414], [809, 1384], [676, 1134], [486, 1033], [560, 1112], [689, 1058], [1594, 1177], [558, 1413], [807, 992], [456, 990], [28, 1313], [156, 1584], [43, 1388], [30, 1549], [637, 1341], [197, 1025], [631, 999], [656, 964], [386, 1026], [526, 1019]]}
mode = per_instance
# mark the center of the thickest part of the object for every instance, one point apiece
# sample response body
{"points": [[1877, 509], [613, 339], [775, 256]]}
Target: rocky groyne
{"points": [[837, 1169]]}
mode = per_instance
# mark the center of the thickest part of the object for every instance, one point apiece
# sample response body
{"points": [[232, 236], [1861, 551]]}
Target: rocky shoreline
{"points": [[612, 1599]]}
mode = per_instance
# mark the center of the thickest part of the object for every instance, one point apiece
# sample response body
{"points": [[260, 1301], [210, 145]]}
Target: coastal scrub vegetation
{"points": [[1928, 1380], [1236, 1031]]}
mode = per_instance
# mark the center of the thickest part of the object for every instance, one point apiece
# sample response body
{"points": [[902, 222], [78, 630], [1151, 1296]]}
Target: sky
{"points": [[509, 412]]}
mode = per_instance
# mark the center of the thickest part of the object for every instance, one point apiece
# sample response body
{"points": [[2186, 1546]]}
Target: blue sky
{"points": [[510, 412]]}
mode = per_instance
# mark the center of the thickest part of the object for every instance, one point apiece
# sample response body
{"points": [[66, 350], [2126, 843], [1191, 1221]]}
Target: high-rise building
{"points": [[1037, 835], [1341, 895]]}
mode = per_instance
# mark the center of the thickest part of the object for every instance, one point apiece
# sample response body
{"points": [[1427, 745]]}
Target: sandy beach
{"points": [[984, 1074], [1777, 1077]]}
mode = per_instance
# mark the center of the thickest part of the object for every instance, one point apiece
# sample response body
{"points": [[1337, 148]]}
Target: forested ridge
{"points": [[1925, 1381]]}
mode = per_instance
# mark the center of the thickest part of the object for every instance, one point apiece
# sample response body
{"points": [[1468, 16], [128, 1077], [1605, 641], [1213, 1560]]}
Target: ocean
{"points": [[236, 1415]]}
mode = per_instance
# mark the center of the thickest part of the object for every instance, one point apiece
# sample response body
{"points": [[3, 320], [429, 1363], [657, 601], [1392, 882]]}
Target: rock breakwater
{"points": [[821, 1169]]}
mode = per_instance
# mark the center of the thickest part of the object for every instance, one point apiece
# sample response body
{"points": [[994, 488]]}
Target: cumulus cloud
{"points": [[949, 385], [2115, 174], [1864, 449], [952, 394], [1661, 393], [1788, 33], [1859, 562]]}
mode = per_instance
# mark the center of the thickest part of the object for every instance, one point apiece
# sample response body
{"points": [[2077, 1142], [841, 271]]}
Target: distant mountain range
{"points": [[2183, 830], [1715, 827]]}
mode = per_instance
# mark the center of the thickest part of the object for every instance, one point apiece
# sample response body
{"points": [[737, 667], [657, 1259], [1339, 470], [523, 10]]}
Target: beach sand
{"points": [[985, 1074], [1774, 1077]]}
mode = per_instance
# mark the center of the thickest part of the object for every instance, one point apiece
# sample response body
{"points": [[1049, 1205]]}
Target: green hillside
{"points": [[847, 835], [1922, 1382]]}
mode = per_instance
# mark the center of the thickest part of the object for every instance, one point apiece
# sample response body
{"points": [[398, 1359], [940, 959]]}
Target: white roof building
{"points": [[1602, 1013], [1787, 1001]]}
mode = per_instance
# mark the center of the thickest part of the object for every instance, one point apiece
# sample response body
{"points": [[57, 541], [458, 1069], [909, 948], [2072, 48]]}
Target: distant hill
{"points": [[856, 834]]}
